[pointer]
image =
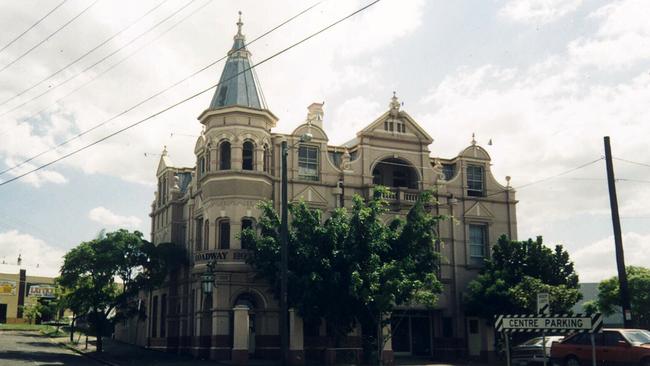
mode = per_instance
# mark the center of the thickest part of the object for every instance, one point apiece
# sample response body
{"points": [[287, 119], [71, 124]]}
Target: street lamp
{"points": [[284, 252], [207, 279]]}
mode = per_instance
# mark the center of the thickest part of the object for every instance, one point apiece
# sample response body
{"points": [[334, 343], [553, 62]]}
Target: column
{"points": [[296, 348], [236, 148], [240, 335], [258, 163]]}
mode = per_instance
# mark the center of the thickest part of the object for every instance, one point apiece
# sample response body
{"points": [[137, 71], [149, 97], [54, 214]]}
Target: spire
{"points": [[238, 84]]}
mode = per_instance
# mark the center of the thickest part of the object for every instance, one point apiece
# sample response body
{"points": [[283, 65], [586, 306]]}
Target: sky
{"points": [[545, 80]]}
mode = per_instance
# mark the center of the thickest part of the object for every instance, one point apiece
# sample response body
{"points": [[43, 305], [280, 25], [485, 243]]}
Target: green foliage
{"points": [[32, 311], [351, 267], [609, 300], [89, 273], [516, 272]]}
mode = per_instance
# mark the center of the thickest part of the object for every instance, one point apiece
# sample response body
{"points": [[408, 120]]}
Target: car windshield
{"points": [[637, 336]]}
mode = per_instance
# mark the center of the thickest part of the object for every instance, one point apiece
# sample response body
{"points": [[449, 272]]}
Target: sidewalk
{"points": [[122, 354]]}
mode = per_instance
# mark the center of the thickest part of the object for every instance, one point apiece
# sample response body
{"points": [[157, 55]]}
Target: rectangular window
{"points": [[447, 327], [308, 163], [198, 223], [475, 179], [477, 244], [154, 318], [224, 234], [163, 315]]}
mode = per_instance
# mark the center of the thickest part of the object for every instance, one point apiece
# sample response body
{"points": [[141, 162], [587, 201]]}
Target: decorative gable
{"points": [[311, 196], [397, 123], [479, 211]]}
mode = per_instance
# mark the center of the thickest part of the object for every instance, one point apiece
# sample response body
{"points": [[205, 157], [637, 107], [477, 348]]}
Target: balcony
{"points": [[398, 196]]}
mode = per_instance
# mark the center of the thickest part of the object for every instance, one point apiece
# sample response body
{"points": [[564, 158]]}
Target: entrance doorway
{"points": [[411, 334], [473, 337], [3, 313]]}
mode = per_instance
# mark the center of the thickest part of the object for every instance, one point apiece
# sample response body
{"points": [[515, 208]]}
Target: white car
{"points": [[532, 352]]}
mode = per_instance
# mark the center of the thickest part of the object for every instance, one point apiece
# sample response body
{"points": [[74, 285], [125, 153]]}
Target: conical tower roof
{"points": [[238, 85]]}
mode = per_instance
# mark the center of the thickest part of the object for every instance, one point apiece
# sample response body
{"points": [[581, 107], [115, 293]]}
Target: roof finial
{"points": [[473, 139], [239, 25], [394, 103], [164, 153]]}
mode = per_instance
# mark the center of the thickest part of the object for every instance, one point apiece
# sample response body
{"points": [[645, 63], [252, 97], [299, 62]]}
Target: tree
{"points": [[609, 298], [90, 270], [352, 268], [518, 270], [32, 311]]}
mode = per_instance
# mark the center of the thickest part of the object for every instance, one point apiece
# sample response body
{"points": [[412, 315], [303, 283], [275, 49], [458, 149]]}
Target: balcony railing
{"points": [[395, 195]]}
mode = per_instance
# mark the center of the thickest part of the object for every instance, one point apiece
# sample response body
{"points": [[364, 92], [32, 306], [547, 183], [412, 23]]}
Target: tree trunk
{"points": [[98, 330], [369, 342], [72, 328]]}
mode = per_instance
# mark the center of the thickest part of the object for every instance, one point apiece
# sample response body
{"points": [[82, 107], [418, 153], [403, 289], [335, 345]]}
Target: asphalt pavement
{"points": [[18, 348]]}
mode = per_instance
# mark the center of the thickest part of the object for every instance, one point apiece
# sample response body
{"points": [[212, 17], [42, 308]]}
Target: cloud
{"points": [[106, 217], [34, 252], [538, 11], [622, 39], [340, 59], [548, 118], [597, 260]]}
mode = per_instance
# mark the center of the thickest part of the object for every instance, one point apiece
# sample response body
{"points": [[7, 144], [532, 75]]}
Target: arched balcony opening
{"points": [[395, 173]]}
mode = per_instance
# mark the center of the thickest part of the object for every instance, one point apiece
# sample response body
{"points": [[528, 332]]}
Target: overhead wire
{"points": [[48, 37], [101, 73], [83, 55], [54, 87], [151, 116], [33, 25], [77, 136], [632, 162]]}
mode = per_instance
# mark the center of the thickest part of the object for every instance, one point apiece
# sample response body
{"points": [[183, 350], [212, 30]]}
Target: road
{"points": [[31, 348]]}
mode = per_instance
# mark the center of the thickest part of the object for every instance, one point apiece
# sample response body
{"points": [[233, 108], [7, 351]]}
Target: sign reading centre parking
{"points": [[530, 323]]}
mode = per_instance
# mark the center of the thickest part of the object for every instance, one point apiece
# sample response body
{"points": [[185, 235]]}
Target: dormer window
{"points": [[475, 181], [395, 126]]}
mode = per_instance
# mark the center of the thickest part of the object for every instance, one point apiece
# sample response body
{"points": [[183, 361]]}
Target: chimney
{"points": [[315, 114]]}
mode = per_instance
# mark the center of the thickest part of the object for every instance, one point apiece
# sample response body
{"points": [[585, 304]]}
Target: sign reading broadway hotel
{"points": [[529, 323]]}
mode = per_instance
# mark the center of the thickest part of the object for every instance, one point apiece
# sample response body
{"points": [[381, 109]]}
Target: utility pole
{"points": [[284, 261], [618, 239]]}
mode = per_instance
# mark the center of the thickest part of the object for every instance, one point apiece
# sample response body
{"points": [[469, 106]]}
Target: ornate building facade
{"points": [[204, 208]]}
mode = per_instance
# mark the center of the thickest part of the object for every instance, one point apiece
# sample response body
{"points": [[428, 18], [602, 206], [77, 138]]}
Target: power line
{"points": [[98, 75], [190, 97], [48, 37], [633, 162], [560, 174], [102, 59], [156, 94], [32, 26], [632, 180], [84, 55]]}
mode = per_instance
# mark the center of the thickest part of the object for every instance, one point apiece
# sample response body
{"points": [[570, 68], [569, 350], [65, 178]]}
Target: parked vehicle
{"points": [[613, 347], [531, 352]]}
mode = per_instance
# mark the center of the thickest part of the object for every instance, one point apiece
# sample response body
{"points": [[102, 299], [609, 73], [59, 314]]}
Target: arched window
{"points": [[246, 223], [248, 152], [223, 226], [206, 235], [267, 159], [224, 156]]}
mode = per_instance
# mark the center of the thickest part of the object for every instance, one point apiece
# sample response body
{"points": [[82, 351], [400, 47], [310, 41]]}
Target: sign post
{"points": [[557, 324], [543, 301]]}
